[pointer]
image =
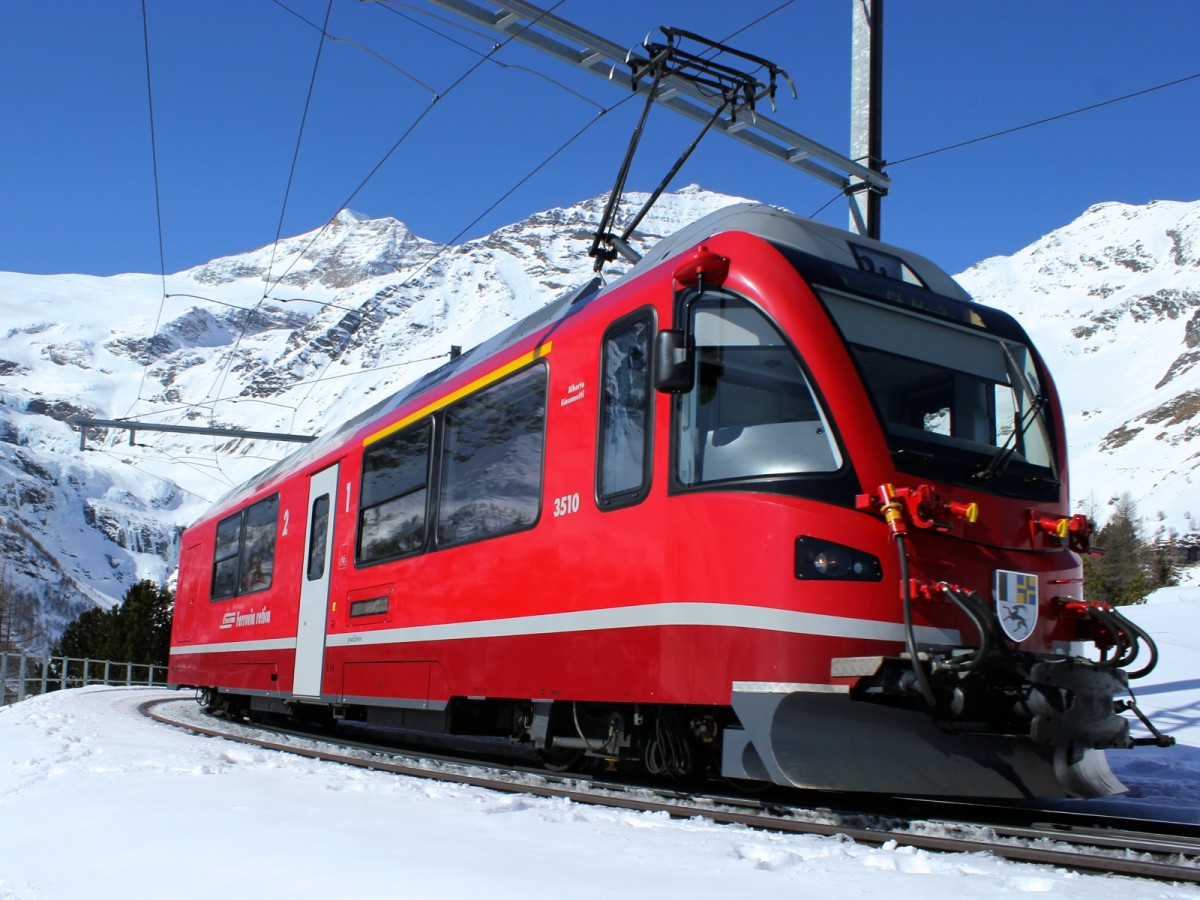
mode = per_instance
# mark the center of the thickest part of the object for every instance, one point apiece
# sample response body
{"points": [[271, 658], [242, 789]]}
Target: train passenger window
{"points": [[225, 558], [258, 545], [318, 533], [395, 488], [623, 463], [752, 412], [244, 556], [492, 460]]}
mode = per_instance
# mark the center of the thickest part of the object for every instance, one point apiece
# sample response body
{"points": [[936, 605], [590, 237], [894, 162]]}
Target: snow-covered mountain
{"points": [[1113, 302], [294, 337], [297, 337]]}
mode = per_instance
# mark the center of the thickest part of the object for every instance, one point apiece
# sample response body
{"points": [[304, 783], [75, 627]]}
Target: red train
{"points": [[781, 503]]}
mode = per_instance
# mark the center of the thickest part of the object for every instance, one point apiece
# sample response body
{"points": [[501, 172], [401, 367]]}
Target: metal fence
{"points": [[24, 676]]}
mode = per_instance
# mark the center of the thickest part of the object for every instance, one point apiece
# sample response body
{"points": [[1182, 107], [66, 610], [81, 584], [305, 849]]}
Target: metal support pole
{"points": [[21, 664], [866, 113]]}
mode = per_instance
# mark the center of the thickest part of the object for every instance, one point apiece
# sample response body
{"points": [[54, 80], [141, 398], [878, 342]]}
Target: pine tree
{"points": [[137, 631], [1130, 568]]}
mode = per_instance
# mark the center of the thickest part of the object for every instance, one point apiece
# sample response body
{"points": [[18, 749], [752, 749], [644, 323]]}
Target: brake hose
{"points": [[964, 603], [909, 635]]}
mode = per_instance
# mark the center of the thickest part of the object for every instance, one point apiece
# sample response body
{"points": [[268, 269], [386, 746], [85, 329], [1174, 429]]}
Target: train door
{"points": [[194, 565], [314, 585]]}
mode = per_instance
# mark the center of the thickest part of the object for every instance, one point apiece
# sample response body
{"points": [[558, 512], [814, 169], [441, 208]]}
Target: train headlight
{"points": [[821, 560]]}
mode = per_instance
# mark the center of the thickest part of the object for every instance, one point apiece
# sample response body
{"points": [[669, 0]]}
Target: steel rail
{"points": [[1071, 860]]}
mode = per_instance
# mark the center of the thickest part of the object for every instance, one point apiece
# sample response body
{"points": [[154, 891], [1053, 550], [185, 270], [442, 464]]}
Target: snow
{"points": [[1112, 302], [98, 801]]}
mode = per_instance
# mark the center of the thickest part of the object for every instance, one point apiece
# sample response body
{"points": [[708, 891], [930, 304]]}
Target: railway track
{"points": [[1084, 844]]}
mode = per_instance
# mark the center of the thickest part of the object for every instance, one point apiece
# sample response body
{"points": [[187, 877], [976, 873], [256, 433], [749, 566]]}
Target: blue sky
{"points": [[230, 80]]}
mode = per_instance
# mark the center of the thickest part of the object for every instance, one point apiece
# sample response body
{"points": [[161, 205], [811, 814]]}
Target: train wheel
{"points": [[561, 760], [209, 700]]}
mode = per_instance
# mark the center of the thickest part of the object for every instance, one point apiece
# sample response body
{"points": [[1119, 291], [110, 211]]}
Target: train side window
{"points": [[258, 545], [318, 533], [623, 450], [491, 476], [395, 490], [244, 555], [225, 558]]}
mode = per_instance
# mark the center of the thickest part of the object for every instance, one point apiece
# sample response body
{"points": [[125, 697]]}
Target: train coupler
{"points": [[1157, 738]]}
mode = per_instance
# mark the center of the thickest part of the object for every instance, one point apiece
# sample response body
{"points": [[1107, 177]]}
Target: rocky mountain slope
{"points": [[299, 336], [1113, 302]]}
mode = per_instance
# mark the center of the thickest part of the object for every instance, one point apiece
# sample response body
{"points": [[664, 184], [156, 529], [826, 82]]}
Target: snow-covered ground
{"points": [[97, 801]]}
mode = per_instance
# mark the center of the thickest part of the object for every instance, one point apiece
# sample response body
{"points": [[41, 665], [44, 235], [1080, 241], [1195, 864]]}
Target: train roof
{"points": [[786, 229], [774, 225]]}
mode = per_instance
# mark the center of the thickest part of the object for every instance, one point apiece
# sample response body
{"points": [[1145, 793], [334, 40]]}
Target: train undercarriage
{"points": [[1011, 726]]}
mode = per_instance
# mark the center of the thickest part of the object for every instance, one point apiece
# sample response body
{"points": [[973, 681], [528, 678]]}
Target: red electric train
{"points": [[781, 503]]}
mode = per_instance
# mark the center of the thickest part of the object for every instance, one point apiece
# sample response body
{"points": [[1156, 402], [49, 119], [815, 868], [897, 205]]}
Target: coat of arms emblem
{"points": [[1016, 596]]}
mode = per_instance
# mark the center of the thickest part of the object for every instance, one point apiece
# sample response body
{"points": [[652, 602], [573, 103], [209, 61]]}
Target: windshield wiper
{"points": [[1042, 481], [1035, 403]]}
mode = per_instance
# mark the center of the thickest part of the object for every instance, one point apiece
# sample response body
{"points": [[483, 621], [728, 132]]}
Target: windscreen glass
{"points": [[957, 405]]}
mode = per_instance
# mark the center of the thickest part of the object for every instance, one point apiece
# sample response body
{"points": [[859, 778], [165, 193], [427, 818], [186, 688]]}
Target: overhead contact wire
{"points": [[312, 81], [1047, 119], [388, 155], [219, 383], [162, 259]]}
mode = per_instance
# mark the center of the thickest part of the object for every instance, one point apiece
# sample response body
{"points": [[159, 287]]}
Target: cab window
{"points": [[752, 412], [623, 449]]}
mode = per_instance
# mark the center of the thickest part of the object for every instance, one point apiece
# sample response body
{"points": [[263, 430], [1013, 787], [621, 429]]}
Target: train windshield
{"points": [[956, 404]]}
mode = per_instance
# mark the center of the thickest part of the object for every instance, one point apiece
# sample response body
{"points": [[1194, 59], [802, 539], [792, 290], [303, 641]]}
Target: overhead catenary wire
{"points": [[391, 150], [219, 383], [324, 31], [390, 6], [234, 398], [312, 81], [1044, 121], [162, 259], [366, 309], [1007, 131]]}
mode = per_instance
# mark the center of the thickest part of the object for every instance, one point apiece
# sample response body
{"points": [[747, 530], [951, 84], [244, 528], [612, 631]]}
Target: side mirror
{"points": [[673, 369]]}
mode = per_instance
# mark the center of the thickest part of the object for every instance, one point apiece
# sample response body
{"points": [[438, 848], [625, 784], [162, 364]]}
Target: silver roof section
{"points": [[789, 230]]}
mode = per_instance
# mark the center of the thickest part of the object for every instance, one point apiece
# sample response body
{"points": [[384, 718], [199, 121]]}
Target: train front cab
{"points": [[950, 427]]}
